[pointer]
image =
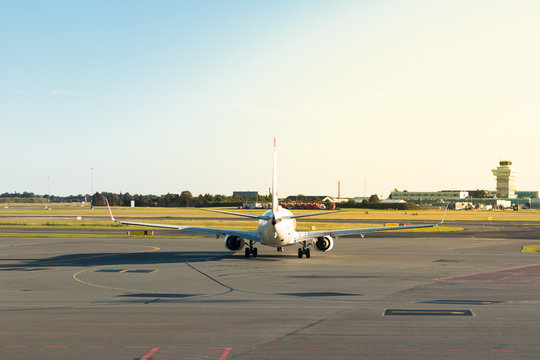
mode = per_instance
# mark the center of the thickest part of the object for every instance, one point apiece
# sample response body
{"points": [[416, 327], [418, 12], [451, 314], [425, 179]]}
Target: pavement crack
{"points": [[305, 327], [230, 289]]}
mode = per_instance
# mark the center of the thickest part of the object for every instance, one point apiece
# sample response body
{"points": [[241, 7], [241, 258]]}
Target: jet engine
{"points": [[234, 243], [324, 243]]}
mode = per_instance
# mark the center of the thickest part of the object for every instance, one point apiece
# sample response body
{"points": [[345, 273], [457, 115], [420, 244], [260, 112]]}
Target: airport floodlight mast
{"points": [[365, 187]]}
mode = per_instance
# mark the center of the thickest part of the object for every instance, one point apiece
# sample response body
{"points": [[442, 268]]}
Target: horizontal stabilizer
{"points": [[310, 214], [260, 217]]}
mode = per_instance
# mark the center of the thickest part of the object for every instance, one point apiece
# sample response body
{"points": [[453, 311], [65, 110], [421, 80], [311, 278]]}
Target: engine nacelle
{"points": [[324, 243], [234, 243]]}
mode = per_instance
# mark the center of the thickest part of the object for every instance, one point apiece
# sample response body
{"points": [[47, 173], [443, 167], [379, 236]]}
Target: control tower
{"points": [[506, 188]]}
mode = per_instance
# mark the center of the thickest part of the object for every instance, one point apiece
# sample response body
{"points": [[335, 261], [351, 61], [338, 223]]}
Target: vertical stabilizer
{"points": [[274, 182]]}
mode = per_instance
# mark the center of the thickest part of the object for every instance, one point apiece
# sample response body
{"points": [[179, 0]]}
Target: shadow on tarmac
{"points": [[107, 259], [143, 258]]}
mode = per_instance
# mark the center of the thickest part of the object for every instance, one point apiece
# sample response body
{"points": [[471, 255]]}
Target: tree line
{"points": [[184, 199]]}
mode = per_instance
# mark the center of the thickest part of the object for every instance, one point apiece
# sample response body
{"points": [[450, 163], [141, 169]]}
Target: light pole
{"points": [[49, 188], [91, 181]]}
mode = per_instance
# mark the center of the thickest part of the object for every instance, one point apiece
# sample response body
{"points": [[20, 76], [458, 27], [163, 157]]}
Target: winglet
{"points": [[110, 211], [442, 221]]}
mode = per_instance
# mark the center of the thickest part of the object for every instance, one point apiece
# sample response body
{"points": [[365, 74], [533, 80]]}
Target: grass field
{"points": [[221, 224], [32, 215], [29, 210]]}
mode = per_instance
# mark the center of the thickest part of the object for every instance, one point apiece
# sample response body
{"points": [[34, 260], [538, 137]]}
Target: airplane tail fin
{"points": [[275, 203]]}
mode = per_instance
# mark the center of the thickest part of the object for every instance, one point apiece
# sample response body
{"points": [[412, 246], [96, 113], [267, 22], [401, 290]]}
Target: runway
{"points": [[386, 296]]}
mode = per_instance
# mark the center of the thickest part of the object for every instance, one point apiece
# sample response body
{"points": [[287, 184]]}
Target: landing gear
{"points": [[251, 250], [280, 249], [304, 250]]}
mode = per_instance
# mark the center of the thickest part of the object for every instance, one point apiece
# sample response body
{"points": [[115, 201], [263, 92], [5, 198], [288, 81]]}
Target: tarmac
{"points": [[471, 294]]}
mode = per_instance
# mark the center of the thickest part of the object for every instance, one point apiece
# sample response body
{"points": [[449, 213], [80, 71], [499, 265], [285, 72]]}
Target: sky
{"points": [[165, 96]]}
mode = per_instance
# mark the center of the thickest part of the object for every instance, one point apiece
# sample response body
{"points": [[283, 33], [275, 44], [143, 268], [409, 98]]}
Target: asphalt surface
{"points": [[471, 294]]}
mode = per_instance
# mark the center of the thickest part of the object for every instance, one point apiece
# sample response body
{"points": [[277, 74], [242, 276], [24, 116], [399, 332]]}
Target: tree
{"points": [[479, 194], [113, 199], [142, 201], [186, 198], [374, 199], [98, 199], [126, 199]]}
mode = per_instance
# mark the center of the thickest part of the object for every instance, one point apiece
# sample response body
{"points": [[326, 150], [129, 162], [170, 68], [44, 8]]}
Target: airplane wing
{"points": [[249, 235], [301, 236], [361, 231]]}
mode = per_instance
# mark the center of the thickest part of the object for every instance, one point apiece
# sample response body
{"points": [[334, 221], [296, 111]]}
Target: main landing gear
{"points": [[304, 250], [251, 250]]}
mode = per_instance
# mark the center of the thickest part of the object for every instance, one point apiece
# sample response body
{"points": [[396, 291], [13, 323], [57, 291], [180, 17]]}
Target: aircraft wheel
{"points": [[254, 252], [247, 252], [300, 253], [308, 255]]}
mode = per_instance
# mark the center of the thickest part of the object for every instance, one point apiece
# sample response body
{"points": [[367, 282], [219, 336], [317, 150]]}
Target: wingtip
{"points": [[110, 211], [444, 216]]}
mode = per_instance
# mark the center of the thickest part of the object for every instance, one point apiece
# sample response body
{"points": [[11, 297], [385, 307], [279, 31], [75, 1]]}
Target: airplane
{"points": [[276, 228]]}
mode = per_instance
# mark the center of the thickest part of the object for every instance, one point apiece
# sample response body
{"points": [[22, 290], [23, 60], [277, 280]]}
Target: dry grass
{"points": [[25, 215]]}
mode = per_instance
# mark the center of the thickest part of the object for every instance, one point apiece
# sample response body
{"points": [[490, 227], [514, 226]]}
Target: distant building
{"points": [[393, 201], [505, 196], [527, 194], [255, 205], [247, 194], [430, 196], [505, 174], [315, 198]]}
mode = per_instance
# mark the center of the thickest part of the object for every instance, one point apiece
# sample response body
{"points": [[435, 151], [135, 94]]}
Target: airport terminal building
{"points": [[505, 194], [430, 196]]}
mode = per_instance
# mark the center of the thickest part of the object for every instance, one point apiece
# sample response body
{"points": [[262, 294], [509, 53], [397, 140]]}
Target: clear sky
{"points": [[166, 96]]}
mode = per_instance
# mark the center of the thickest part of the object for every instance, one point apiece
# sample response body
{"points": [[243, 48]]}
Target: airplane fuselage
{"points": [[279, 234]]}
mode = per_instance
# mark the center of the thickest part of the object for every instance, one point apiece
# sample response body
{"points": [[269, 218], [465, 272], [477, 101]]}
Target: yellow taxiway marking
{"points": [[76, 275], [76, 278]]}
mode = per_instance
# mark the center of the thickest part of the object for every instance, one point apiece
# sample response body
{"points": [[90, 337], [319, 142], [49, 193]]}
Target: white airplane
{"points": [[277, 228]]}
